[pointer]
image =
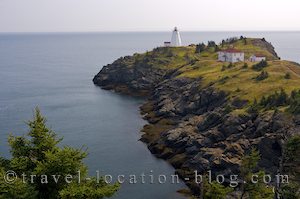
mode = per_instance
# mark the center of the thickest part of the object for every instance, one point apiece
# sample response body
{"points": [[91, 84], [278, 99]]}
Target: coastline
{"points": [[190, 123]]}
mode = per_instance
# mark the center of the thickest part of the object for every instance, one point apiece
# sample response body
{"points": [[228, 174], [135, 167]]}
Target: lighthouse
{"points": [[176, 39]]}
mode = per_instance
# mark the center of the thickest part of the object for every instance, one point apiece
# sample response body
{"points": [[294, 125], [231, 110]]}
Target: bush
{"points": [[263, 75], [287, 75], [217, 48], [215, 190], [223, 68], [230, 65], [275, 100], [200, 47], [211, 44], [238, 90], [294, 102], [223, 80], [253, 190], [259, 66], [290, 164]]}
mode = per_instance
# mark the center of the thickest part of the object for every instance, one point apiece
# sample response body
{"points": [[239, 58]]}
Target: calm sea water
{"points": [[55, 71]]}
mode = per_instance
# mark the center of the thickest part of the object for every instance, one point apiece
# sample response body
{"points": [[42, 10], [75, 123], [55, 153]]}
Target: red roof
{"points": [[259, 55], [232, 51]]}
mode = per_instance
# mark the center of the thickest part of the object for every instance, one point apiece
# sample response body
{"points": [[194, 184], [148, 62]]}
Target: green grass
{"points": [[236, 81], [240, 82], [249, 49], [168, 58]]}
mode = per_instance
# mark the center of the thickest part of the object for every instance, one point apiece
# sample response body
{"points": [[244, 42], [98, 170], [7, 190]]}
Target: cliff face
{"points": [[199, 133], [194, 118], [137, 80]]}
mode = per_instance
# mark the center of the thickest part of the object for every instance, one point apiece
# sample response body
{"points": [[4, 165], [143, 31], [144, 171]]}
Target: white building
{"points": [[257, 58], [231, 55], [167, 44], [175, 40]]}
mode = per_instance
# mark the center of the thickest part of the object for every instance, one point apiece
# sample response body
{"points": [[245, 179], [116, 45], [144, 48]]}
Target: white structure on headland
{"points": [[167, 44], [257, 58], [175, 40], [231, 55]]}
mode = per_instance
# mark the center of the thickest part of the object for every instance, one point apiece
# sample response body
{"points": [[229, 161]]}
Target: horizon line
{"points": [[141, 31]]}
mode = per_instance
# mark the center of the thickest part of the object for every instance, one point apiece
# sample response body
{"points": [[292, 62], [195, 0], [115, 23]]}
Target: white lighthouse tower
{"points": [[176, 39]]}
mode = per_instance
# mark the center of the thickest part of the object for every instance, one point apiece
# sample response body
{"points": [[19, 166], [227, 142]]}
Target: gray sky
{"points": [[147, 15]]}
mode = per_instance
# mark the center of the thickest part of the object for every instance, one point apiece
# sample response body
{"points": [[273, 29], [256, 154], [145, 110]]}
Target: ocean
{"points": [[55, 70]]}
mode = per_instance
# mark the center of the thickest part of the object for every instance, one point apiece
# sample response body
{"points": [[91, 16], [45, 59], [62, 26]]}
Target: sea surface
{"points": [[54, 71]]}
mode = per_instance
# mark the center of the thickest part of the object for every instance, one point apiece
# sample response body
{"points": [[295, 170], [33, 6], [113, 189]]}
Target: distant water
{"points": [[55, 71]]}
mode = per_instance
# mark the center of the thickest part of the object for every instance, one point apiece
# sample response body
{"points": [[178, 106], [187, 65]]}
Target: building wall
{"points": [[257, 59], [231, 57], [176, 39], [221, 56], [167, 44], [237, 57]]}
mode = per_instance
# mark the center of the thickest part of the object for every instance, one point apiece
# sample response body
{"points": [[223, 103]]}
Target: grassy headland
{"points": [[238, 80]]}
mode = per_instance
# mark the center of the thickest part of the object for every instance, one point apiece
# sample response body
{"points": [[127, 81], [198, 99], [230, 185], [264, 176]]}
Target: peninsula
{"points": [[206, 112]]}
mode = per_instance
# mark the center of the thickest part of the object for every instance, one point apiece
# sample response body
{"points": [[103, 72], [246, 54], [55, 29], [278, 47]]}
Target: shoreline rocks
{"points": [[190, 125]]}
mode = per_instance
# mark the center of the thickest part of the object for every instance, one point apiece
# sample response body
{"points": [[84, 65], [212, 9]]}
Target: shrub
{"points": [[294, 102], [248, 167], [211, 44], [278, 99], [217, 48], [287, 75], [275, 100], [230, 65], [200, 47], [291, 161], [223, 68], [223, 43], [259, 66], [223, 80], [263, 75]]}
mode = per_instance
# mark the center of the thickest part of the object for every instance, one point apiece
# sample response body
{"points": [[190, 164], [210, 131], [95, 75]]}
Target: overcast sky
{"points": [[148, 15]]}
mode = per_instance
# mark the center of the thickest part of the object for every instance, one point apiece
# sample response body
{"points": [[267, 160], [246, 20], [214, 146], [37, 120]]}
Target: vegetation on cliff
{"points": [[291, 165], [206, 115], [200, 61]]}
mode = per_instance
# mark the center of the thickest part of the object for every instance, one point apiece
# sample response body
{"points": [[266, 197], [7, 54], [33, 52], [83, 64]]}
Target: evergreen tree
{"points": [[200, 48], [249, 189], [291, 166], [217, 48], [211, 44], [215, 190], [223, 43], [37, 154], [259, 66], [17, 189]]}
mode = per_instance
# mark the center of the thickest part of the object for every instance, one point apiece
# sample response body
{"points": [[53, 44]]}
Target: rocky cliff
{"points": [[196, 108]]}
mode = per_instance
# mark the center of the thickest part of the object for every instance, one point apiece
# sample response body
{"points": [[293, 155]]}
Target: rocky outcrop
{"points": [[138, 80], [205, 137], [263, 44], [191, 126]]}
